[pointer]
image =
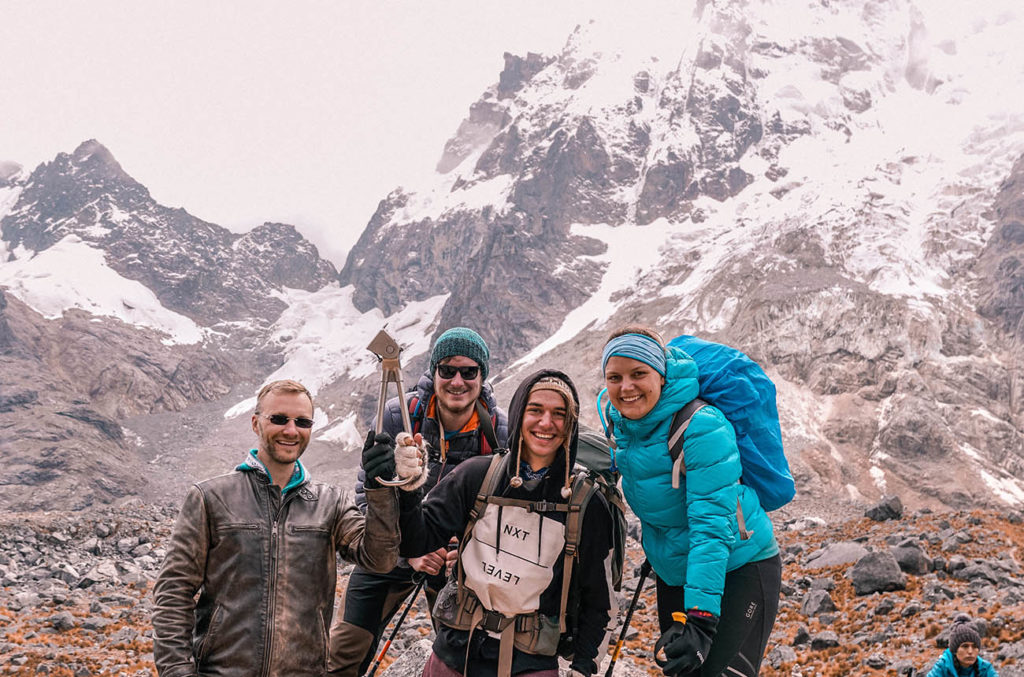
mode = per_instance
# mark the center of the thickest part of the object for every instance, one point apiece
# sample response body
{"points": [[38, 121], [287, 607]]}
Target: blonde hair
{"points": [[286, 385]]}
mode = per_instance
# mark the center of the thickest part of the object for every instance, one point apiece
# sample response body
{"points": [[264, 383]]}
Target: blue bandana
{"points": [[636, 347], [529, 473]]}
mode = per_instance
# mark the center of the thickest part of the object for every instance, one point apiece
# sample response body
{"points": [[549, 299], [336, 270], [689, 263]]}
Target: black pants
{"points": [[370, 601], [750, 602]]}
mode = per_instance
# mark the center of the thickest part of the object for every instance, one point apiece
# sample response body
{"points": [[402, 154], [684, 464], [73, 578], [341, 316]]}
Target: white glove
{"points": [[410, 461]]}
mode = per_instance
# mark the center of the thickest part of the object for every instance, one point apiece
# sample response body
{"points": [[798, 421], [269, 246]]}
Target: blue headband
{"points": [[636, 347]]}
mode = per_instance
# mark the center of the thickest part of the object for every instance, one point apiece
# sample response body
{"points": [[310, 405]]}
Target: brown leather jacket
{"points": [[265, 569]]}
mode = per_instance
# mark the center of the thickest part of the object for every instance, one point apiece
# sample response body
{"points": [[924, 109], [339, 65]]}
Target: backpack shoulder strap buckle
{"points": [[547, 506]]}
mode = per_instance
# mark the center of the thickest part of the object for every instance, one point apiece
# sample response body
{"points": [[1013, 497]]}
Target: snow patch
{"points": [[621, 272], [986, 414], [344, 432], [72, 274], [437, 195], [96, 230], [246, 406], [8, 198], [878, 475], [970, 451], [324, 337], [1007, 489], [118, 215]]}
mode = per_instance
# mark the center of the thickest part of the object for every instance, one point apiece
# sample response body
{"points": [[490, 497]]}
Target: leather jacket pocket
{"points": [[203, 650]]}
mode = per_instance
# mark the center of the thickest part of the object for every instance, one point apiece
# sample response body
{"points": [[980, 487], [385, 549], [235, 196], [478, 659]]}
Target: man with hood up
{"points": [[500, 612]]}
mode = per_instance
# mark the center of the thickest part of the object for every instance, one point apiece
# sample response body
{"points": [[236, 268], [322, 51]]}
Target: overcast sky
{"points": [[305, 112], [244, 112]]}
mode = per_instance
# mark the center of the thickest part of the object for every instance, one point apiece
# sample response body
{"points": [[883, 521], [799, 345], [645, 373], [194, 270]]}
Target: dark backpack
{"points": [[593, 474]]}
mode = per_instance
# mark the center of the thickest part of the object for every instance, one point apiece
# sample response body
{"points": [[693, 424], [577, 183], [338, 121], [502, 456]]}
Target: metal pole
{"points": [[419, 577], [645, 569]]}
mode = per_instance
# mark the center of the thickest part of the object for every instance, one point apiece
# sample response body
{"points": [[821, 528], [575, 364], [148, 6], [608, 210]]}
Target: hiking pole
{"points": [[419, 577], [645, 569]]}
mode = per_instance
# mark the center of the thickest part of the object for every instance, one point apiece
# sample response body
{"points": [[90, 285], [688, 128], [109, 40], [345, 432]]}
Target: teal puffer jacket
{"points": [[947, 666], [690, 534]]}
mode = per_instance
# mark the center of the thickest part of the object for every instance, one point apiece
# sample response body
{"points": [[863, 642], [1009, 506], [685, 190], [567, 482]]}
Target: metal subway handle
{"points": [[387, 350]]}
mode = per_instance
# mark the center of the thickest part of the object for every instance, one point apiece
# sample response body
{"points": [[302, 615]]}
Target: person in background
{"points": [[260, 545], [718, 577], [454, 408], [961, 658]]}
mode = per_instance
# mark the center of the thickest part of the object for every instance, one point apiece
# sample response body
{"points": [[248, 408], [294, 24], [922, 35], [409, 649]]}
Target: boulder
{"points": [[877, 572]]}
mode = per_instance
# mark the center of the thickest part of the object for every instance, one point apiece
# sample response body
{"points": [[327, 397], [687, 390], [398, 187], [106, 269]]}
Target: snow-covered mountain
{"points": [[836, 188]]}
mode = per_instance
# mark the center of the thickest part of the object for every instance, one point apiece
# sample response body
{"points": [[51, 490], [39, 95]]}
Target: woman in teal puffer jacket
{"points": [[718, 583]]}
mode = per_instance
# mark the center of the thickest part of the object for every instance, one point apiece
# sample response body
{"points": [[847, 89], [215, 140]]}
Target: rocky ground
{"points": [[861, 596]]}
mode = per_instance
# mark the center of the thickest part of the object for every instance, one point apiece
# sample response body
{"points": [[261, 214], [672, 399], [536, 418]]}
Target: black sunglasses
{"points": [[281, 419], [447, 372]]}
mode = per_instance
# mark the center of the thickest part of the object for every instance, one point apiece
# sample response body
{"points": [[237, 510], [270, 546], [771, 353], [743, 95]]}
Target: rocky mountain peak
{"points": [[285, 258], [518, 70], [9, 173], [735, 184], [68, 195], [196, 268], [92, 157], [785, 186]]}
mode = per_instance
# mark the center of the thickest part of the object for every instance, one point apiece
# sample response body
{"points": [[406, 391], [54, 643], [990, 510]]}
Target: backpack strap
{"points": [[487, 435], [485, 495], [583, 489], [415, 413], [680, 422], [487, 488]]}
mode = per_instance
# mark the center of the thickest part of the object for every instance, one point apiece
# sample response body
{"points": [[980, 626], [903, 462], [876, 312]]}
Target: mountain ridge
{"points": [[758, 183]]}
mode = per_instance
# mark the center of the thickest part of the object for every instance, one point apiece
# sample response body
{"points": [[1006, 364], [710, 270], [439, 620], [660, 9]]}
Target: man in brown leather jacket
{"points": [[260, 546]]}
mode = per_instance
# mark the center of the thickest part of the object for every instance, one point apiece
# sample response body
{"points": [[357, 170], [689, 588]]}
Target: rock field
{"points": [[861, 595]]}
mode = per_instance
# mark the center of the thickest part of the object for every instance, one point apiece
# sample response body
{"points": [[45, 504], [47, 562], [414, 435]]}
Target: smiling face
{"points": [[967, 653], [633, 386], [281, 445], [456, 396], [544, 428]]}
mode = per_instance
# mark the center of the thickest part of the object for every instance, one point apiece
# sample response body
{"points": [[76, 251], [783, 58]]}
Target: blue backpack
{"points": [[738, 387]]}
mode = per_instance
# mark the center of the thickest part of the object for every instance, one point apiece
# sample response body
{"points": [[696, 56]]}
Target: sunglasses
{"points": [[447, 372], [281, 419]]}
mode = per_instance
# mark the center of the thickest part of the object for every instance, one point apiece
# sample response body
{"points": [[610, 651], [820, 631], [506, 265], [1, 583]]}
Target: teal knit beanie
{"points": [[461, 341]]}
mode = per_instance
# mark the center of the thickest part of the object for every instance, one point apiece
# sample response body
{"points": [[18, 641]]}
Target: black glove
{"points": [[378, 458], [685, 645]]}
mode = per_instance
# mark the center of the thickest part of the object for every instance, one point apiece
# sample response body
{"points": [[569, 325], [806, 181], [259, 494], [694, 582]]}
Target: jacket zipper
{"points": [[272, 586], [272, 596]]}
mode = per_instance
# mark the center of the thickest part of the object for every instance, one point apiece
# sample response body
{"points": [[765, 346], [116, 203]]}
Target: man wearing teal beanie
{"points": [[454, 408], [461, 341]]}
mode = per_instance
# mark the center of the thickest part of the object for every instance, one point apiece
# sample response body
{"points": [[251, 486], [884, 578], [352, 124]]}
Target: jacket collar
{"points": [[252, 463]]}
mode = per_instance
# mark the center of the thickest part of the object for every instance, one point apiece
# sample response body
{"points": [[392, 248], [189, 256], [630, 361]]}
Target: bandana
{"points": [[636, 347]]}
